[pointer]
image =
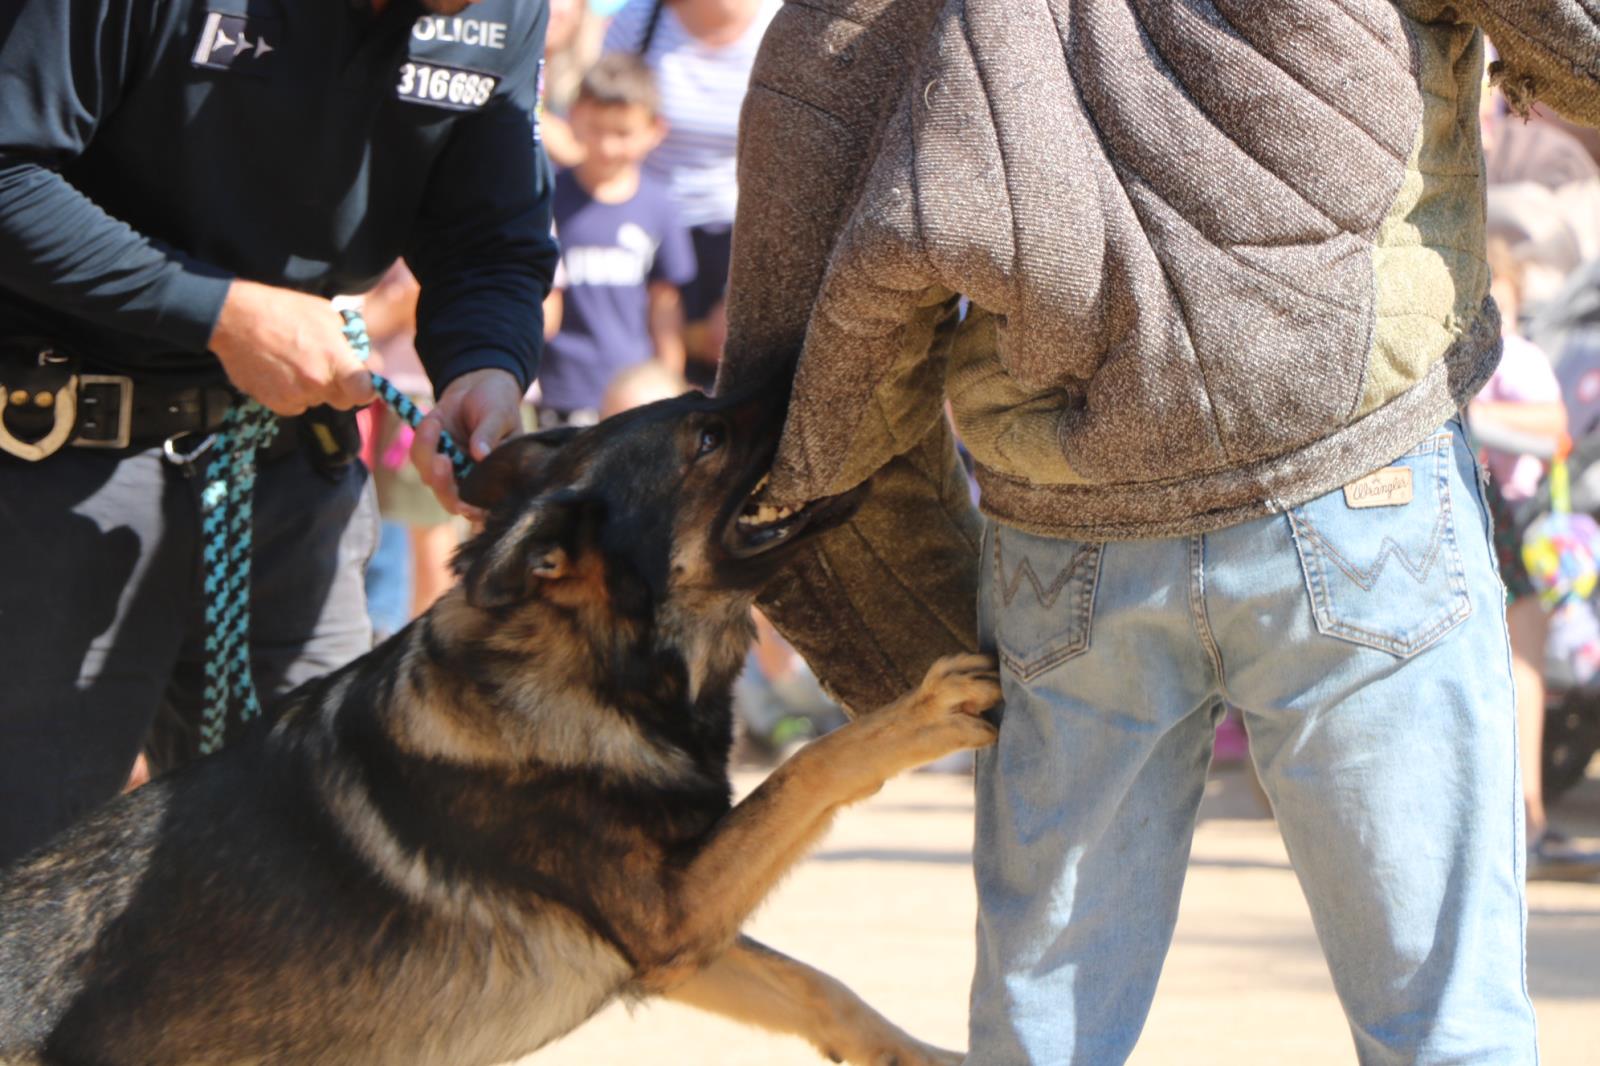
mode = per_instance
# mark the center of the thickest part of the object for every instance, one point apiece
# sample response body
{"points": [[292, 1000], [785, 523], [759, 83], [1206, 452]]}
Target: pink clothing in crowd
{"points": [[1523, 376]]}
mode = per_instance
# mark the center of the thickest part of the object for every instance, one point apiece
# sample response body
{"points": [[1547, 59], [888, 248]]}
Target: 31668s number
{"points": [[463, 90]]}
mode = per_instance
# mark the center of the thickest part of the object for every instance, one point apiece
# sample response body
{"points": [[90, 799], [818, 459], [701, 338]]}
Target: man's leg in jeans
{"points": [[308, 610], [97, 558], [1386, 740], [1086, 805], [1367, 647]]}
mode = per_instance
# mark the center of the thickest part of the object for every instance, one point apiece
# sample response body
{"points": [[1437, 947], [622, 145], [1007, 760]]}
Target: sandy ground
{"points": [[886, 904]]}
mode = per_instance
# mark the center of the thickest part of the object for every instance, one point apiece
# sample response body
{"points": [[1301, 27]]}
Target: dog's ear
{"points": [[508, 562], [513, 466]]}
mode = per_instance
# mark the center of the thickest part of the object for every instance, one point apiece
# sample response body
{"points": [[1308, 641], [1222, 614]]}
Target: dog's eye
{"points": [[710, 440]]}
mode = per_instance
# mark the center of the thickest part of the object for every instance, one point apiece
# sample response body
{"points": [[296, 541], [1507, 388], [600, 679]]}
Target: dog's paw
{"points": [[942, 714], [959, 684]]}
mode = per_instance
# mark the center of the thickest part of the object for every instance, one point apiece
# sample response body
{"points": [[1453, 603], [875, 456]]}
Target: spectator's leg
{"points": [[97, 575], [1529, 624]]}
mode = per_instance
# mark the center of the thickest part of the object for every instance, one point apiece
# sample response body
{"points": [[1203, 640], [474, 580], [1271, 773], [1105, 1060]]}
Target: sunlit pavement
{"points": [[886, 905]]}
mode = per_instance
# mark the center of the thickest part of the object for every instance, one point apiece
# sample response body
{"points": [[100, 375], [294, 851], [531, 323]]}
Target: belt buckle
{"points": [[93, 405]]}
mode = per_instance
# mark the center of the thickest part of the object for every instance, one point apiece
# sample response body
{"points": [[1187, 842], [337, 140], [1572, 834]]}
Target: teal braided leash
{"points": [[355, 331], [227, 514]]}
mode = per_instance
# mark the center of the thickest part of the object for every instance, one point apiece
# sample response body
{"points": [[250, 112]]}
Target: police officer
{"points": [[183, 185]]}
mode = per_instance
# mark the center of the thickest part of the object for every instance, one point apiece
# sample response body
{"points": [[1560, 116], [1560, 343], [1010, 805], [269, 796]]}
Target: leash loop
{"points": [[227, 514], [355, 331]]}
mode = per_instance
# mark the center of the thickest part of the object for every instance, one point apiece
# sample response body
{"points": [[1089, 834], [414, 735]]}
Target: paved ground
{"points": [[887, 906]]}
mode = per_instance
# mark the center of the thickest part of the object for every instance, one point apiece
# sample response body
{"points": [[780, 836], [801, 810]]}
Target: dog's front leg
{"points": [[764, 835], [752, 983]]}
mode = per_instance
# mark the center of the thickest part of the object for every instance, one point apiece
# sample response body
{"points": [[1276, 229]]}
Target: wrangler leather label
{"points": [[1389, 487]]}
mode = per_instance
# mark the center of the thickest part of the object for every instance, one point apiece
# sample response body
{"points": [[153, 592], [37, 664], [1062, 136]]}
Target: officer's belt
{"points": [[47, 402], [114, 411]]}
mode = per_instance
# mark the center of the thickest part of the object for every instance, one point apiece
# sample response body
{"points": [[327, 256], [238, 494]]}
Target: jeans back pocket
{"points": [[1043, 599], [1383, 574]]}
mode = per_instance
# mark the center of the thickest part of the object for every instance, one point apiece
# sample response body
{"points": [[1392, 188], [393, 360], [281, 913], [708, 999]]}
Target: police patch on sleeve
{"points": [[453, 88]]}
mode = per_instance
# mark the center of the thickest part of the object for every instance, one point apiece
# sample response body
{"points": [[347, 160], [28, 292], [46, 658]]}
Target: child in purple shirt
{"points": [[624, 254]]}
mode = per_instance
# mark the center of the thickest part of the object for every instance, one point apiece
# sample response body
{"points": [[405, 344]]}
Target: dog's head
{"points": [[654, 509]]}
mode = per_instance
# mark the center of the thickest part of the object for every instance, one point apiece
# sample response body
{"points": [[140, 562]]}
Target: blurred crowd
{"points": [[1538, 422]]}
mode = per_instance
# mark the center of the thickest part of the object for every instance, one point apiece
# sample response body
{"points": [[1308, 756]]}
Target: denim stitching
{"points": [[1455, 568], [1366, 579], [1309, 541], [1461, 610], [1080, 620], [1079, 623], [1197, 603], [1080, 605], [1437, 442], [1047, 599], [1436, 537]]}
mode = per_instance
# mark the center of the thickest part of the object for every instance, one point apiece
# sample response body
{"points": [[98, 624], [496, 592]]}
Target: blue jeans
{"points": [[1366, 649], [388, 580]]}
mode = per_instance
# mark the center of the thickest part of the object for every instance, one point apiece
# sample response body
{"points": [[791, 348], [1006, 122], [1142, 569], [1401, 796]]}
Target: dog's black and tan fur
{"points": [[462, 845]]}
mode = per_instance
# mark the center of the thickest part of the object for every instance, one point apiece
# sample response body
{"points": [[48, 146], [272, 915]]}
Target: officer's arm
{"points": [[485, 257], [483, 249], [64, 65]]}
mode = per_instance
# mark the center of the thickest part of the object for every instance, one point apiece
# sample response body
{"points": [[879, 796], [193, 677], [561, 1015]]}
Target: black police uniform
{"points": [[151, 150]]}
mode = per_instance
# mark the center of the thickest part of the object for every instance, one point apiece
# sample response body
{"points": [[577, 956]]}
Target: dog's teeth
{"points": [[763, 514]]}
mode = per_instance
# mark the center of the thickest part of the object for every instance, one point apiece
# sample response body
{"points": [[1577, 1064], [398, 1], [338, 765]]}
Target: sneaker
{"points": [[1554, 857]]}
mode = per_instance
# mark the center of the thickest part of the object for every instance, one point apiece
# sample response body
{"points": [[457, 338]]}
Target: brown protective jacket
{"points": [[1222, 257]]}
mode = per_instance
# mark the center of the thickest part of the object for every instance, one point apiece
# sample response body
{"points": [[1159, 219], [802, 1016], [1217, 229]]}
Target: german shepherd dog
{"points": [[465, 843]]}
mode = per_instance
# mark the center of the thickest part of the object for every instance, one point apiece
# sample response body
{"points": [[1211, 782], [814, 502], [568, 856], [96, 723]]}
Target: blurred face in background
{"points": [[715, 22], [615, 137]]}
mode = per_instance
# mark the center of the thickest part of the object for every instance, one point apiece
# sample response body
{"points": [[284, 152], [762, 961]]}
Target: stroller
{"points": [[1568, 327]]}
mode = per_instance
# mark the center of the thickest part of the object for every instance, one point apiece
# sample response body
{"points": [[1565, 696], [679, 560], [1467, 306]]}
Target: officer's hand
{"points": [[480, 409], [287, 350]]}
